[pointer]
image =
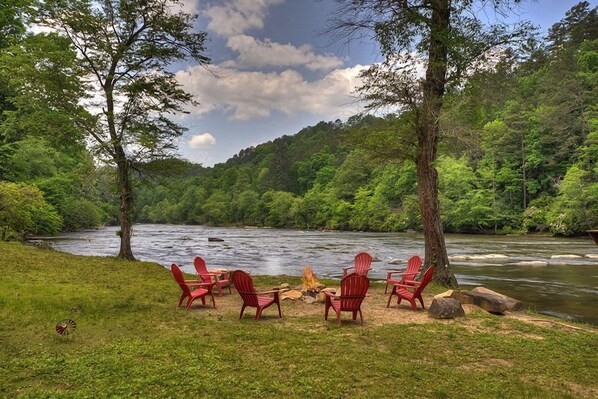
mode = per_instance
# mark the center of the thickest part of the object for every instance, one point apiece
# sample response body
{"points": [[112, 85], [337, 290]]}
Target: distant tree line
{"points": [[519, 152]]}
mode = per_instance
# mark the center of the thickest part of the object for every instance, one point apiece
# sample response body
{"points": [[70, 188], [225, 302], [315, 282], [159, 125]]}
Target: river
{"points": [[556, 276]]}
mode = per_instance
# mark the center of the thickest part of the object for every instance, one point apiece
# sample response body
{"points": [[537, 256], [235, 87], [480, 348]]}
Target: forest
{"points": [[519, 152]]}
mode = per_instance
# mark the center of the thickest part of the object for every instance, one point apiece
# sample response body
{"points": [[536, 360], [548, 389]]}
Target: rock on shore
{"points": [[488, 300]]}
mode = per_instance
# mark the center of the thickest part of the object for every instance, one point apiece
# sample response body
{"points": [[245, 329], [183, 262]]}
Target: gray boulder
{"points": [[445, 308], [512, 304], [489, 302]]}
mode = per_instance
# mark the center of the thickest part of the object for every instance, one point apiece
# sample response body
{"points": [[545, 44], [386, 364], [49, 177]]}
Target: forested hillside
{"points": [[519, 153]]}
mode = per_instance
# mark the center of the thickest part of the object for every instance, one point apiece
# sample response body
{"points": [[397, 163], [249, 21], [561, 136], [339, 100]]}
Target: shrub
{"points": [[24, 211], [81, 214]]}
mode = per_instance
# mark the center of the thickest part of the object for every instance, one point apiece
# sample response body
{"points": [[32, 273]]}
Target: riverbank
{"points": [[132, 340], [526, 268]]}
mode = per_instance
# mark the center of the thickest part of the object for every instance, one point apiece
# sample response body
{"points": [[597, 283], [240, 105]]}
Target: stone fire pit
{"points": [[310, 291]]}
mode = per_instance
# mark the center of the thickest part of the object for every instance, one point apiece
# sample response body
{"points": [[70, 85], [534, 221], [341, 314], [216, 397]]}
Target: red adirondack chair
{"points": [[244, 285], [363, 264], [412, 290], [353, 290], [202, 288], [413, 265], [220, 278]]}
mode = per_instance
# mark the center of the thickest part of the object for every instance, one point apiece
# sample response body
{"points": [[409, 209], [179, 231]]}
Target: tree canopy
{"points": [[125, 47]]}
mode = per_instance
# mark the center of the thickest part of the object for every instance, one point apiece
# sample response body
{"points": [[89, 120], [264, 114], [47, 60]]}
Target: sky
{"points": [[273, 72]]}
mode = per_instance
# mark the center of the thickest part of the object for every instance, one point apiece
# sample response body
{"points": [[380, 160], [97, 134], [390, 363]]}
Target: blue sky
{"points": [[273, 73]]}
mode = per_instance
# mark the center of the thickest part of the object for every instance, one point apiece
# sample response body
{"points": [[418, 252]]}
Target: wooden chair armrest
{"points": [[406, 286], [276, 294], [268, 292], [391, 272], [331, 297], [207, 285], [213, 276], [194, 282]]}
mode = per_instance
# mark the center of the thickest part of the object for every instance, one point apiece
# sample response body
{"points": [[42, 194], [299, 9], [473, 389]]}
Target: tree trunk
{"points": [[428, 135], [427, 189], [125, 192], [523, 172]]}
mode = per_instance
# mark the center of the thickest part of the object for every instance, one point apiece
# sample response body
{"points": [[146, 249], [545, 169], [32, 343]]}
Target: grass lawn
{"points": [[132, 341]]}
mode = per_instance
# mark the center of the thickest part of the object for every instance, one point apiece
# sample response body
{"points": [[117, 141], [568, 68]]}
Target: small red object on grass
{"points": [[66, 327]]}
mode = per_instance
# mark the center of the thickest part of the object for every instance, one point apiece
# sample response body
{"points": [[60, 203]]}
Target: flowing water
{"points": [[556, 276]]}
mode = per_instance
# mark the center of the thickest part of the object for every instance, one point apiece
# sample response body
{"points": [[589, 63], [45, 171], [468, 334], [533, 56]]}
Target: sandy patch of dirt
{"points": [[373, 308], [375, 312]]}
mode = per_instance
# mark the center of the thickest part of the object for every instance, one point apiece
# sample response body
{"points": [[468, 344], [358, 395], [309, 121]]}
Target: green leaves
{"points": [[125, 47], [44, 82], [12, 21], [23, 211], [576, 206]]}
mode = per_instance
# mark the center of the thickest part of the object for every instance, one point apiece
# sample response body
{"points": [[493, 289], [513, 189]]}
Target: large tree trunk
{"points": [[427, 189], [125, 192], [428, 135]]}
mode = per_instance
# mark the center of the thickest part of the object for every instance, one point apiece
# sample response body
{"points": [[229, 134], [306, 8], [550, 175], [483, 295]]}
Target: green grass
{"points": [[132, 341]]}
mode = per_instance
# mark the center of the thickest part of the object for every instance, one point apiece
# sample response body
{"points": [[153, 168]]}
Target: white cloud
{"points": [[233, 18], [202, 141], [238, 88], [237, 16], [249, 95], [257, 53]]}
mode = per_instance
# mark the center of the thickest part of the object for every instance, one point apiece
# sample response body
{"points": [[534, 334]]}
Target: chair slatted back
{"points": [[413, 266], [244, 285], [425, 280], [363, 263], [353, 290], [202, 269], [180, 279]]}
